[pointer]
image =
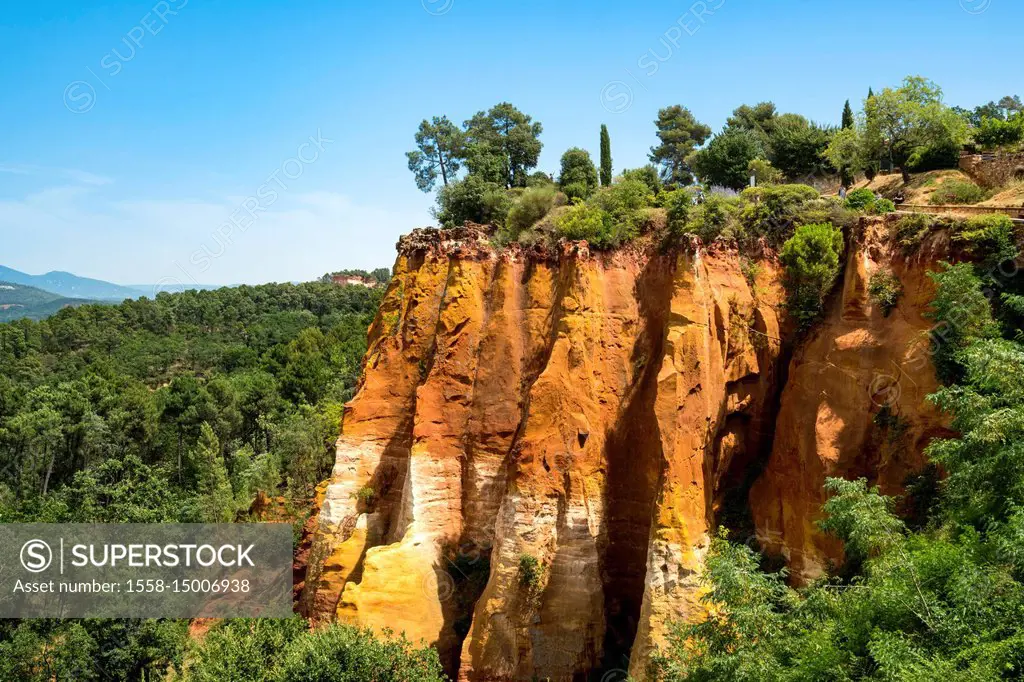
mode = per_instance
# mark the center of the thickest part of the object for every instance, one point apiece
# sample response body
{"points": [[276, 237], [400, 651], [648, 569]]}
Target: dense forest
{"points": [[178, 409]]}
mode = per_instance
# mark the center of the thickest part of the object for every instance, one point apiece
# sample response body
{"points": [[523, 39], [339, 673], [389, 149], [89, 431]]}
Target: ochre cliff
{"points": [[541, 444], [578, 410], [854, 403]]}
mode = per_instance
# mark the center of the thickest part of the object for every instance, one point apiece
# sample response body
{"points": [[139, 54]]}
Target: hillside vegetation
{"points": [[484, 170], [179, 409]]}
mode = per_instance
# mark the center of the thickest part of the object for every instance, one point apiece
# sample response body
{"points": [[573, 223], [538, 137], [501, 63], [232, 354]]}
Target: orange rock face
{"points": [[854, 403], [540, 446], [578, 414]]}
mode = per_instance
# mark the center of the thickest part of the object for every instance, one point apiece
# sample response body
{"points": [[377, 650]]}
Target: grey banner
{"points": [[145, 570]]}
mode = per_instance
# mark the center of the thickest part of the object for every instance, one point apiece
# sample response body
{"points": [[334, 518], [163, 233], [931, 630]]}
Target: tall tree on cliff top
{"points": [[680, 133], [439, 145], [848, 119], [606, 157], [578, 178], [503, 145], [910, 119], [846, 171]]}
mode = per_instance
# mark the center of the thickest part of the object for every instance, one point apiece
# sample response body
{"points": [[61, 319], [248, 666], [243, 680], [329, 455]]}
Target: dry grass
{"points": [[1009, 195], [921, 187]]}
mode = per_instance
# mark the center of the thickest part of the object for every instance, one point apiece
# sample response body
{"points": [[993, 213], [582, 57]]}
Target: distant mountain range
{"points": [[18, 301], [69, 285]]}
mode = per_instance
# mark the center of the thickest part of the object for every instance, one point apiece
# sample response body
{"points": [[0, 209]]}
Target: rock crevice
{"points": [[542, 443]]}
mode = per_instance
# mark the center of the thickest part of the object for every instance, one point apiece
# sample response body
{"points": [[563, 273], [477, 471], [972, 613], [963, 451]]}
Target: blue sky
{"points": [[132, 134]]}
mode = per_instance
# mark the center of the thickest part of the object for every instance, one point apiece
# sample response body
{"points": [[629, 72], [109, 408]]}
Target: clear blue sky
{"points": [[131, 132]]}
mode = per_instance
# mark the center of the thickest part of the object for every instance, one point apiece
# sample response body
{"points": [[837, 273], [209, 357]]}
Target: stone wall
{"points": [[993, 170]]}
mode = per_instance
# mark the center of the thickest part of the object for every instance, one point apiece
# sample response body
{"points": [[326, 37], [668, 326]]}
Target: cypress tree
{"points": [[847, 115], [606, 157]]}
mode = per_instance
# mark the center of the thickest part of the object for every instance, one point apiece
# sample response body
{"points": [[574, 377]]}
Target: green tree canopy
{"points": [[578, 176], [503, 145], [439, 148], [679, 133], [726, 159]]}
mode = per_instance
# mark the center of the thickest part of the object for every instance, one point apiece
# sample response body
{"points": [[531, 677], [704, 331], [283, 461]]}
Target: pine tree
{"points": [[606, 157], [847, 115], [214, 484]]}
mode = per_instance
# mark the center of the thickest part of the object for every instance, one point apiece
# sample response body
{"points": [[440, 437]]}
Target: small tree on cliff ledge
{"points": [[811, 258]]}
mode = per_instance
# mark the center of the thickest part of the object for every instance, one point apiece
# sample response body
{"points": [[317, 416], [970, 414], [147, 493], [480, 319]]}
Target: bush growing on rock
{"points": [[531, 206], [713, 218], [772, 211], [531, 572], [677, 204], [885, 290], [586, 221], [811, 259], [911, 229], [990, 238]]}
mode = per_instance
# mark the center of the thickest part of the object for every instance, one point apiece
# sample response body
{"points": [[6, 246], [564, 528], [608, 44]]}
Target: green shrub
{"points": [[345, 653], [911, 229], [365, 495], [531, 206], [540, 179], [472, 199], [989, 237], [531, 572], [883, 206], [646, 174], [625, 200], [678, 204], [285, 650], [751, 271], [597, 227], [577, 190], [885, 290], [773, 211], [961, 313], [764, 172], [957, 192], [811, 258], [713, 218], [860, 199]]}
